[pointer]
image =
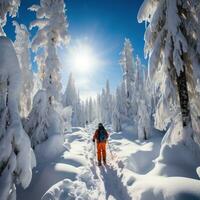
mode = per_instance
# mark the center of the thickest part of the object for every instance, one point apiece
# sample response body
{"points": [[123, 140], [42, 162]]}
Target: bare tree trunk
{"points": [[184, 98], [145, 134]]}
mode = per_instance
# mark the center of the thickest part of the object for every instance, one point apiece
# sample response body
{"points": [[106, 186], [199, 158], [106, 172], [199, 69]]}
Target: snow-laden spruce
{"points": [[22, 48], [127, 64], [172, 44], [116, 117], [37, 123], [142, 96], [133, 89], [144, 126], [16, 158], [45, 125], [71, 98], [52, 32], [105, 104]]}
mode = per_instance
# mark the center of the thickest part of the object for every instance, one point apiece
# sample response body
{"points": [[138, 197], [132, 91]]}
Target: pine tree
{"points": [[108, 103], [22, 45], [116, 115], [52, 33], [71, 98], [172, 43], [16, 157], [36, 125], [128, 75]]}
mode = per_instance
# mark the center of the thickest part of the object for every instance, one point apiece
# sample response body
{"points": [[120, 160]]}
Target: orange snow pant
{"points": [[101, 149]]}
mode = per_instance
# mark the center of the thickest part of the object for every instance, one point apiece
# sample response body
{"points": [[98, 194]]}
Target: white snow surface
{"points": [[129, 173]]}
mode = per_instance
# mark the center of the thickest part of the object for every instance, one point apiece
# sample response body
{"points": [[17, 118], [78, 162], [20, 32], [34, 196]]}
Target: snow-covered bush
{"points": [[16, 158]]}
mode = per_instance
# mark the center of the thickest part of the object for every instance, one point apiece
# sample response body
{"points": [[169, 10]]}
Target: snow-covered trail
{"points": [[92, 182], [110, 182], [73, 173]]}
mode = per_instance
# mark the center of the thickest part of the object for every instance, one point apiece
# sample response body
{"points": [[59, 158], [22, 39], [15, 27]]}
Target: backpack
{"points": [[101, 135]]}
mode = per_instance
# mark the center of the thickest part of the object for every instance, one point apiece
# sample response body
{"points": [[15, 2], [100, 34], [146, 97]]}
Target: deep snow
{"points": [[73, 173]]}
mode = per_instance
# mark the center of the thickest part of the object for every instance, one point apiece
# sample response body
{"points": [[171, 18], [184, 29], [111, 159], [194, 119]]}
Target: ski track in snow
{"points": [[106, 179]]}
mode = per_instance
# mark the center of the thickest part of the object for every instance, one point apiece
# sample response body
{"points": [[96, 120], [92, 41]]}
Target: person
{"points": [[101, 136]]}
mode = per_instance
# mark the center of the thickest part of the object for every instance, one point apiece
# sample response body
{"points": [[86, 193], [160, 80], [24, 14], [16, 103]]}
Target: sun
{"points": [[83, 58]]}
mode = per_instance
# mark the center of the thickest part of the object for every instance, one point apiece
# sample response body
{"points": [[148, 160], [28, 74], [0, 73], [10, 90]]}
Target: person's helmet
{"points": [[100, 125]]}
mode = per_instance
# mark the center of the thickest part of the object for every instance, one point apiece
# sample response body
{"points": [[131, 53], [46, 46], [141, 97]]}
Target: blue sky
{"points": [[101, 24]]}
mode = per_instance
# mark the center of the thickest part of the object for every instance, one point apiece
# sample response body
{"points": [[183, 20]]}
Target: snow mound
{"points": [[162, 188], [178, 156], [176, 160], [198, 171], [68, 190], [50, 149]]}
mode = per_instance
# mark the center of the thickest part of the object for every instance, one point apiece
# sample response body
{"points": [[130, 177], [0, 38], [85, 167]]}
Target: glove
{"points": [[93, 140]]}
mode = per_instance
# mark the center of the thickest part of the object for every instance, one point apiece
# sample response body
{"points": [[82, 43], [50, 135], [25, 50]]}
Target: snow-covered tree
{"points": [[22, 45], [71, 98], [130, 92], [90, 109], [128, 75], [45, 121], [142, 97], [119, 115], [173, 44], [37, 122], [82, 114], [16, 158], [116, 115], [98, 107], [144, 126], [52, 32], [108, 103], [70, 93], [7, 7], [104, 105]]}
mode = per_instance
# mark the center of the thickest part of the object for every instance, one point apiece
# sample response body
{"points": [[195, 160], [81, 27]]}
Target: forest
{"points": [[152, 117]]}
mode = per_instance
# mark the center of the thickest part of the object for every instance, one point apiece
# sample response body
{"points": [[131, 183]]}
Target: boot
{"points": [[99, 163], [104, 161]]}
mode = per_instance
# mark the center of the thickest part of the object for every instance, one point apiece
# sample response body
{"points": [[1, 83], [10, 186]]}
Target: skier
{"points": [[101, 135]]}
